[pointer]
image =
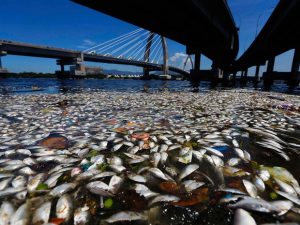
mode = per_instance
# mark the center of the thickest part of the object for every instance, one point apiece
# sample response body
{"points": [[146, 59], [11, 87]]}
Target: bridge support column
{"points": [[268, 80], [197, 61], [195, 73], [244, 77], [2, 70], [257, 74], [62, 68], [295, 75]]}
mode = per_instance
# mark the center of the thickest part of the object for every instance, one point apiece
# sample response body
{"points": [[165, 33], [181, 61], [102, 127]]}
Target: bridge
{"points": [[280, 34], [203, 26], [77, 58]]}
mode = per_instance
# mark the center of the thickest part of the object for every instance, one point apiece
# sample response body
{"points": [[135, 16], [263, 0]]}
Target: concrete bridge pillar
{"points": [[296, 62], [295, 75], [2, 70], [268, 79], [62, 68], [257, 73], [195, 72], [197, 61], [271, 63]]}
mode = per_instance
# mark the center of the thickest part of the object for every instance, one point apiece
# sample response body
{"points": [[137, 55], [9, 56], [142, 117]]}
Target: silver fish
{"points": [[22, 215], [187, 171], [64, 207], [127, 216], [82, 216], [243, 217], [6, 212], [42, 214]]}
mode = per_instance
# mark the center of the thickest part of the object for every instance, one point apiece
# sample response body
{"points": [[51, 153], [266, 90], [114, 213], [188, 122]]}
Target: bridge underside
{"points": [[204, 26], [280, 34]]}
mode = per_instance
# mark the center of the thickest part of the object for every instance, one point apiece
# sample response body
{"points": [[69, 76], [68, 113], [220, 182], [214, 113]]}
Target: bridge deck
{"points": [[204, 26], [280, 34], [25, 49]]}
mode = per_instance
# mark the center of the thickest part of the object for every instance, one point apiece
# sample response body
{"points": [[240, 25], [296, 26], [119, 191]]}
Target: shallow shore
{"points": [[150, 158]]}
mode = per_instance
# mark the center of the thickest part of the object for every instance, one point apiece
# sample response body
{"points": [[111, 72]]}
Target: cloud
{"points": [[86, 43], [178, 60]]}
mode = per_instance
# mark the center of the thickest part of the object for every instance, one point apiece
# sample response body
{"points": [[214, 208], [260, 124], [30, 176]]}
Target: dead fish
{"points": [[214, 152], [99, 188], [187, 171], [285, 187], [19, 181], [64, 207], [22, 215], [127, 216], [5, 183], [62, 189], [144, 191], [281, 207], [292, 198], [82, 216], [6, 212], [51, 181], [254, 204], [251, 189], [11, 191], [164, 198], [243, 217], [114, 184], [103, 174], [42, 214], [156, 158], [264, 175], [136, 178], [233, 161], [259, 183], [158, 173], [191, 185]]}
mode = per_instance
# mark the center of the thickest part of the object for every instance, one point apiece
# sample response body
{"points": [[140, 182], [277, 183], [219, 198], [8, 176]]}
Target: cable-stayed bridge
{"points": [[139, 48]]}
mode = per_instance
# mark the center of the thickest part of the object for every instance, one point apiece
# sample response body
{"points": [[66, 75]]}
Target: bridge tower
{"points": [[165, 68]]}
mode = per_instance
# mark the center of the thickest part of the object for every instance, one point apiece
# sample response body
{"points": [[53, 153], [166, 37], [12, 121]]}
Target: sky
{"points": [[62, 23]]}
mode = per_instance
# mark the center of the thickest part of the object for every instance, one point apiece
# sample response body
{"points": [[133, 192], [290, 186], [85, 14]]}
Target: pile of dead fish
{"points": [[222, 157]]}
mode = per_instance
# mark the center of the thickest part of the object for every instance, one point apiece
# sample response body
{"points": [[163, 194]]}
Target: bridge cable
{"points": [[126, 44], [160, 56], [157, 54], [135, 56], [96, 46], [153, 44], [116, 43], [136, 47], [147, 50], [155, 49]]}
